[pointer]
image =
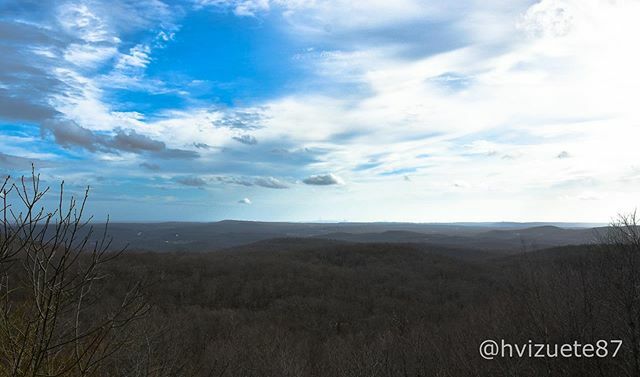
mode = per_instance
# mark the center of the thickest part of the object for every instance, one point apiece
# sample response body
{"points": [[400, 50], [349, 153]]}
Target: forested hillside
{"points": [[305, 306]]}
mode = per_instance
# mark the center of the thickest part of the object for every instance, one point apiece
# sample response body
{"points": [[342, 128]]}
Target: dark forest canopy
{"points": [[309, 306]]}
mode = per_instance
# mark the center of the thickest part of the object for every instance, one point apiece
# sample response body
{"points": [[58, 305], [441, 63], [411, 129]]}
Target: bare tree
{"points": [[621, 267], [53, 321]]}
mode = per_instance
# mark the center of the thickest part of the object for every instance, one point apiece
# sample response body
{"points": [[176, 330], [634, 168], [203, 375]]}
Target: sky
{"points": [[326, 110]]}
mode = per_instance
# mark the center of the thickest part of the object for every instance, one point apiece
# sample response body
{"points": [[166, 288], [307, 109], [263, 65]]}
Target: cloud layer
{"points": [[432, 110]]}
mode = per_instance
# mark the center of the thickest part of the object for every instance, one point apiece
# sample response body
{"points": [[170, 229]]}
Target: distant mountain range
{"points": [[201, 237]]}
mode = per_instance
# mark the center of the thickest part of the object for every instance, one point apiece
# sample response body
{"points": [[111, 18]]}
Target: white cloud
{"points": [[99, 42], [138, 57], [549, 18], [245, 8]]}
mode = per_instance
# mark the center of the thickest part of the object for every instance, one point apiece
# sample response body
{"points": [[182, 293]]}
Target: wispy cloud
{"points": [[192, 181], [17, 162], [271, 182], [246, 139], [150, 166]]}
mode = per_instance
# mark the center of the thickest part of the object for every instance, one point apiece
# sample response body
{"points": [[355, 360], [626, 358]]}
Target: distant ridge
{"points": [[483, 224], [201, 236]]}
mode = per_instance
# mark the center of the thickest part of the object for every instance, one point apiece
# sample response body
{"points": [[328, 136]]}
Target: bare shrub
{"points": [[53, 321]]}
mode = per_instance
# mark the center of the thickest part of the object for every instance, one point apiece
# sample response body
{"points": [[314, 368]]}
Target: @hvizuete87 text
{"points": [[491, 349]]}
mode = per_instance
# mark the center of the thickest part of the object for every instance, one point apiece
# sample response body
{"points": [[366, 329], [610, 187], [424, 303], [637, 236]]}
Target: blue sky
{"points": [[307, 110]]}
